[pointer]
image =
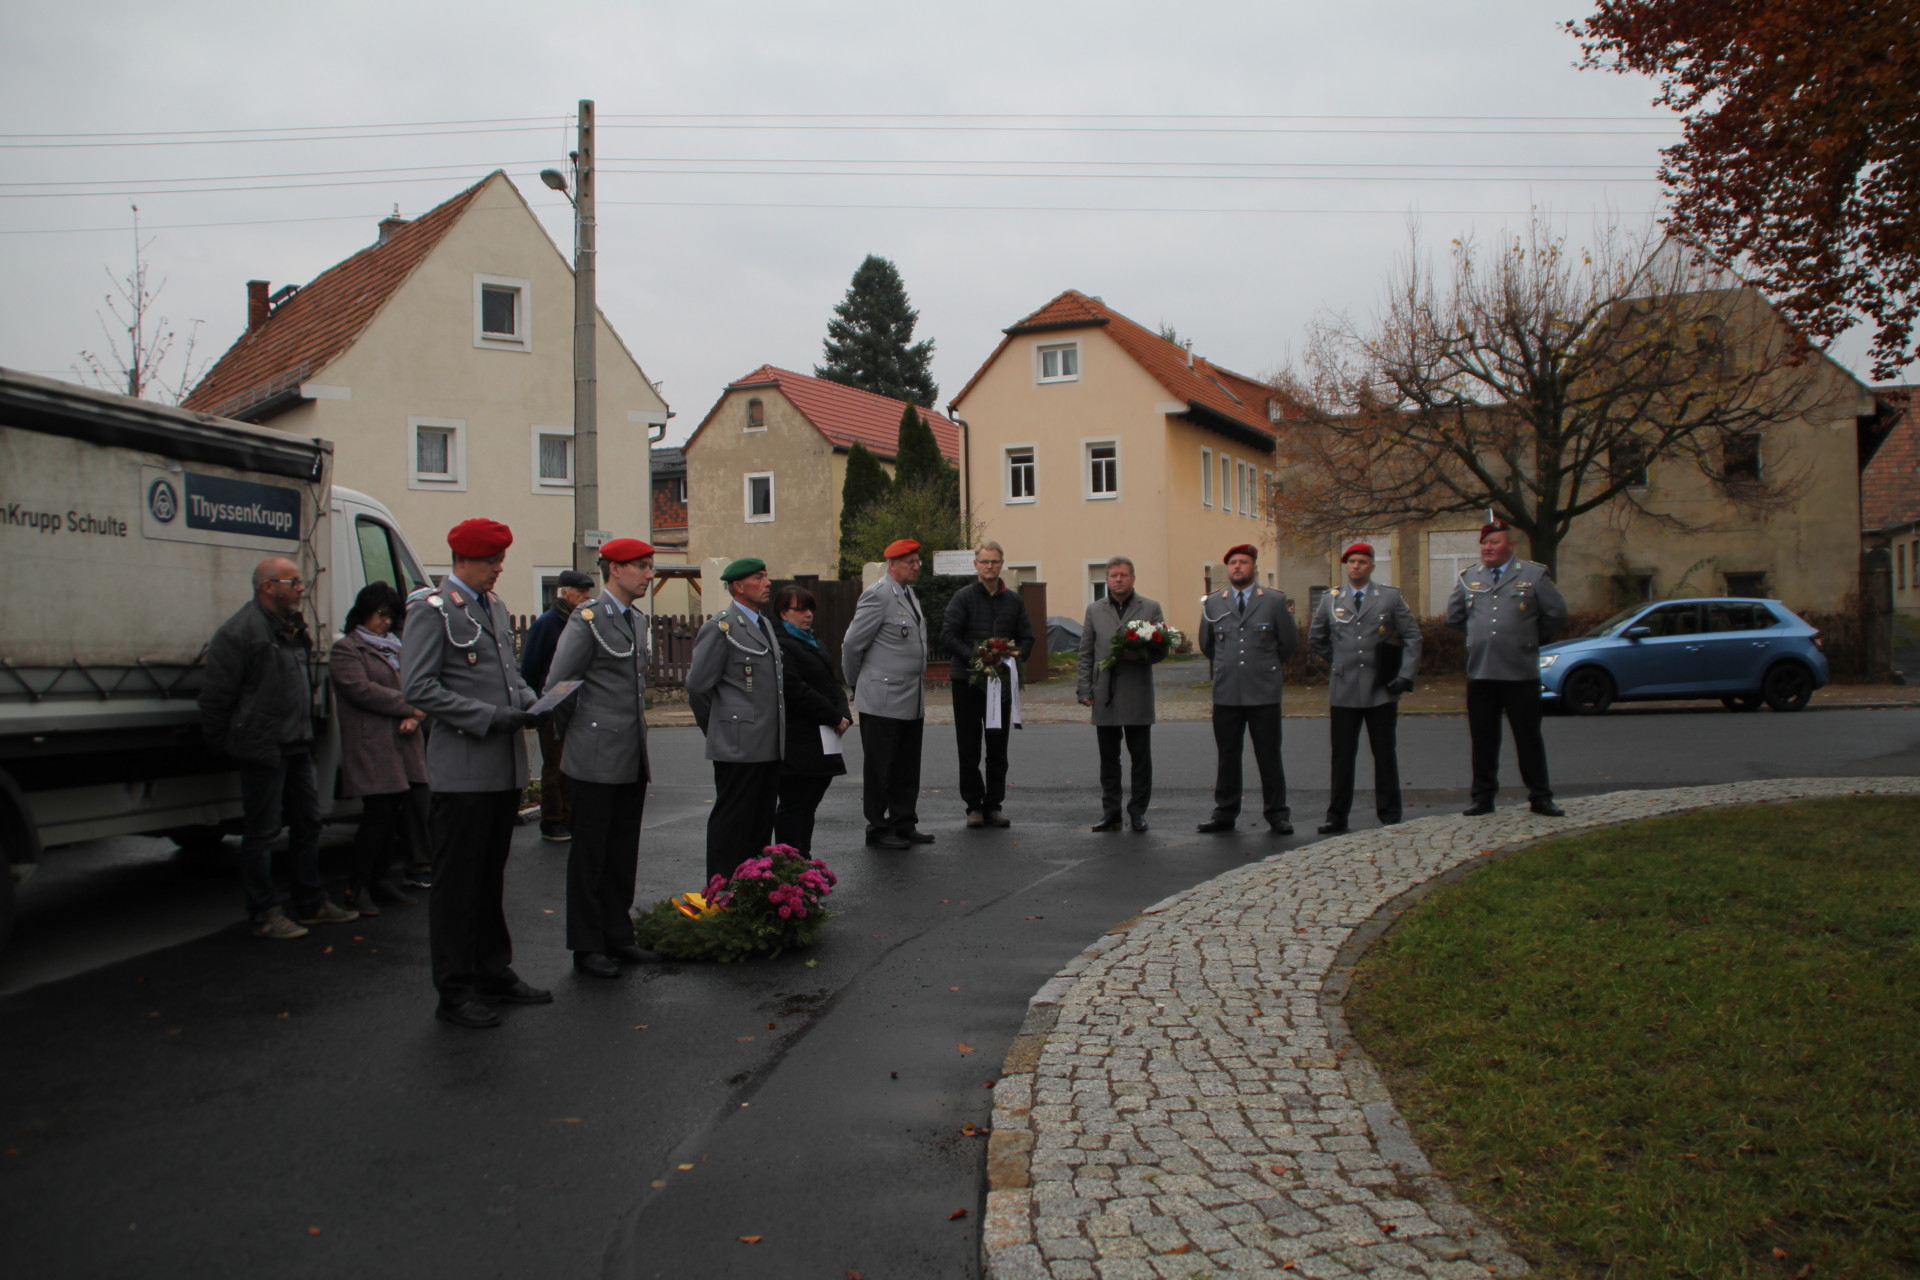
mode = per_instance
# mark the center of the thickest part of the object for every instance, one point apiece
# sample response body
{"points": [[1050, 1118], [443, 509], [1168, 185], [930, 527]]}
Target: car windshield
{"points": [[1615, 623]]}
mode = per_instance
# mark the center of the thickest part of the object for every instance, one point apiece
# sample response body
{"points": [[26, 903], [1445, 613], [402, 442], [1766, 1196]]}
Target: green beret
{"points": [[743, 568]]}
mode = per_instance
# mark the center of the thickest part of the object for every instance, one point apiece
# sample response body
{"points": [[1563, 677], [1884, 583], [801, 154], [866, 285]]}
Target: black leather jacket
{"points": [[973, 616], [256, 697]]}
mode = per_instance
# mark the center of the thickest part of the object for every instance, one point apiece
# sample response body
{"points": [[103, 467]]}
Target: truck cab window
{"points": [[382, 559]]}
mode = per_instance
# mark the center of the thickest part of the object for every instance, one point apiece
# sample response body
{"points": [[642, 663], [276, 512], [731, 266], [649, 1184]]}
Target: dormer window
{"points": [[1059, 362], [502, 318], [756, 415]]}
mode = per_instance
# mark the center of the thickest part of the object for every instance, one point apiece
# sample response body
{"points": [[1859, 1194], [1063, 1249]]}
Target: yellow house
{"points": [[766, 466], [439, 360], [1089, 436]]}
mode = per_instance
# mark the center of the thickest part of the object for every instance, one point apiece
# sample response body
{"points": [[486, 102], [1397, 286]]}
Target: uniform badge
{"points": [[1475, 586], [724, 628], [473, 659], [1339, 614], [435, 601], [586, 612], [1523, 606]]}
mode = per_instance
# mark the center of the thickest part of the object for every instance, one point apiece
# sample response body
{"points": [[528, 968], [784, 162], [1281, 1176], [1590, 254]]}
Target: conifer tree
{"points": [[866, 485], [870, 342]]}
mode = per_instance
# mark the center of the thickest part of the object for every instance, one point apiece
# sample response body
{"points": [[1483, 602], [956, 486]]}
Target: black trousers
{"points": [[1139, 740], [1382, 723], [1519, 702], [890, 773], [555, 785], [601, 863], [800, 797], [984, 793], [416, 840], [1231, 725], [383, 819], [466, 918], [741, 824]]}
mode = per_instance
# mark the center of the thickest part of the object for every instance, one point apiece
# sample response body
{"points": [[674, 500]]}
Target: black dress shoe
{"points": [[1139, 824], [916, 837], [886, 840], [1212, 825], [1332, 828], [595, 965], [636, 955], [1281, 828], [1478, 809], [520, 993], [995, 818], [1106, 824], [1547, 809], [470, 1013]]}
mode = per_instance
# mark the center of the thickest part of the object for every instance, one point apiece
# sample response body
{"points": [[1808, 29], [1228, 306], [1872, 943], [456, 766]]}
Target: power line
{"points": [[301, 128]]}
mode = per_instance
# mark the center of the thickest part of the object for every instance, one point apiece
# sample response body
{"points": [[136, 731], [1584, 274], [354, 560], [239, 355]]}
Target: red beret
{"points": [[1494, 526], [904, 547], [1358, 548], [479, 538], [624, 550], [1246, 549]]}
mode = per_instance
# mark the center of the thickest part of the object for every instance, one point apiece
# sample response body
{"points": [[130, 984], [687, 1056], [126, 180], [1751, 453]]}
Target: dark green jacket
{"points": [[256, 696]]}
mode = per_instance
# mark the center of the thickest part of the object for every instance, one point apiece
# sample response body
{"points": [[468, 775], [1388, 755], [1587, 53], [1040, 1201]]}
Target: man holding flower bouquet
{"points": [[986, 624], [1124, 635]]}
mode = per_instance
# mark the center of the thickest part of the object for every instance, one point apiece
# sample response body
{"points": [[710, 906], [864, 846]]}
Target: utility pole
{"points": [[587, 534]]}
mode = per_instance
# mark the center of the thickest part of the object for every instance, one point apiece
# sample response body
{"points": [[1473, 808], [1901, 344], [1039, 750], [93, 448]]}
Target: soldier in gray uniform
{"points": [[1508, 607], [1121, 696], [736, 687], [1248, 632], [1366, 631], [604, 644], [884, 658], [457, 666]]}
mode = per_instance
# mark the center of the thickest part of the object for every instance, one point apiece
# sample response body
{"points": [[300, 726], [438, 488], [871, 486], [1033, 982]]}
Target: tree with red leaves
{"points": [[1800, 160]]}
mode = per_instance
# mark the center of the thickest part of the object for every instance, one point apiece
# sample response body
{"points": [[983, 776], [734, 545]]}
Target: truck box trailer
{"points": [[128, 534]]}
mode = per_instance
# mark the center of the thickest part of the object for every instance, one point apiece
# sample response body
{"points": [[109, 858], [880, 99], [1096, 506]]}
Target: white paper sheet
{"points": [[829, 741]]}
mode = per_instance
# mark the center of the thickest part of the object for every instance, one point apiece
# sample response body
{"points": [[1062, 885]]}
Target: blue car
{"points": [[1743, 652]]}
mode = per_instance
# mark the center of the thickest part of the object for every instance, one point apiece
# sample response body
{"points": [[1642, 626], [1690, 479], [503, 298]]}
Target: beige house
{"points": [[1089, 436], [439, 360], [766, 466]]}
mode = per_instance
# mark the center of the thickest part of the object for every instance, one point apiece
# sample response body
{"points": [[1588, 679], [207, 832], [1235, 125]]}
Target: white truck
{"points": [[128, 534]]}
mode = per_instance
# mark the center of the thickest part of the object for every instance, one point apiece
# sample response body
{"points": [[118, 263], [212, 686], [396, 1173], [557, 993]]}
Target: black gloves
{"points": [[511, 720], [1399, 685]]}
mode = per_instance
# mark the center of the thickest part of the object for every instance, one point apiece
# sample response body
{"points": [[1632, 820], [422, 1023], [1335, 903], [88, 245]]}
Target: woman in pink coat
{"points": [[382, 753]]}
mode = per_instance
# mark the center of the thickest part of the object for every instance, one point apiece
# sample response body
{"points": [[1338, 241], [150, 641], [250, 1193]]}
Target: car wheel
{"points": [[1788, 687], [1587, 692], [1742, 702]]}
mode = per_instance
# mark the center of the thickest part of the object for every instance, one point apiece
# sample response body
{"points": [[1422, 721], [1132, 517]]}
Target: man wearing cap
{"points": [[736, 687], [884, 658], [536, 655], [457, 666], [1365, 630], [984, 609], [1249, 632], [1508, 607], [605, 645]]}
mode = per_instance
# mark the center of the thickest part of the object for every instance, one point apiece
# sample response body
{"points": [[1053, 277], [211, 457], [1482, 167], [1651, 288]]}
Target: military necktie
{"points": [[1359, 598], [1241, 607], [1496, 575]]}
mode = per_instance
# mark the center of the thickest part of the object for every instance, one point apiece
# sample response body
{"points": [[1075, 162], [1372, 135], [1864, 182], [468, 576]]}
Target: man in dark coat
{"points": [[1121, 696], [984, 609], [817, 714], [457, 666], [536, 656], [256, 707]]}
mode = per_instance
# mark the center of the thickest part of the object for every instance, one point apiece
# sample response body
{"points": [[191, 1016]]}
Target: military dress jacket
{"points": [[1123, 693], [1248, 650], [1350, 639], [884, 654], [606, 646], [737, 688], [1506, 624], [456, 664]]}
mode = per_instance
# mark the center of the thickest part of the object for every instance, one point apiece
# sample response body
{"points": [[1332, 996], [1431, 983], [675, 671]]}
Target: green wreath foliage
{"points": [[769, 905]]}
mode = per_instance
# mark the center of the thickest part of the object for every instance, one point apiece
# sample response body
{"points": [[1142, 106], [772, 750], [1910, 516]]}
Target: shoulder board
{"points": [[586, 612]]}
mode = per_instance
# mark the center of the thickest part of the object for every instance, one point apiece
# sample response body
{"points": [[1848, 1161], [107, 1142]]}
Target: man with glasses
{"points": [[256, 707], [985, 610]]}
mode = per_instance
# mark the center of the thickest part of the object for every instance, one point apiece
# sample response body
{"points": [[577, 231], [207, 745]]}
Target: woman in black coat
{"points": [[816, 700]]}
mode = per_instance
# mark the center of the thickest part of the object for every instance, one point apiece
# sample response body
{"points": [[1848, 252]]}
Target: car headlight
{"points": [[1548, 659]]}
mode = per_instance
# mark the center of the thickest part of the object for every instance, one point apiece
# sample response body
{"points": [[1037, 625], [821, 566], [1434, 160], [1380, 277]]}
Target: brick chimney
{"points": [[389, 225], [258, 308]]}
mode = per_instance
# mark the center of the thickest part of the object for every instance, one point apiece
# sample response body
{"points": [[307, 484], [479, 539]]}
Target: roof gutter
{"points": [[1232, 428], [1050, 326]]}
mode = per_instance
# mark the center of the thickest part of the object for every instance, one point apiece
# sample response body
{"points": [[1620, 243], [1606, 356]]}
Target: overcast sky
{"points": [[1229, 168]]}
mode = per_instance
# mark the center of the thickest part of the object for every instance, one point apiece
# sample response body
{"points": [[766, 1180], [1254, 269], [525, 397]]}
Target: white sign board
{"points": [[957, 564]]}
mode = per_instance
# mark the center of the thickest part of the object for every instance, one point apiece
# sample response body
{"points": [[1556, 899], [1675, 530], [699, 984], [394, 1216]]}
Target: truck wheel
{"points": [[1787, 687]]}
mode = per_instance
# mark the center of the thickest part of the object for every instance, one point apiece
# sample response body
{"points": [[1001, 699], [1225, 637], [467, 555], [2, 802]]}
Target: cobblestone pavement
{"points": [[1184, 1098]]}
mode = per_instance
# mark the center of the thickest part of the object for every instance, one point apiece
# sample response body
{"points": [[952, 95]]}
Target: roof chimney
{"points": [[1189, 353], [390, 224], [258, 308]]}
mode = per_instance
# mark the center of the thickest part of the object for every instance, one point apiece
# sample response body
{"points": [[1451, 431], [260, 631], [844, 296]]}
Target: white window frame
{"points": [[454, 480], [1226, 482], [522, 340], [540, 483], [1040, 353], [746, 412], [1006, 473], [1086, 468], [746, 497], [1206, 477], [1017, 574], [1096, 582]]}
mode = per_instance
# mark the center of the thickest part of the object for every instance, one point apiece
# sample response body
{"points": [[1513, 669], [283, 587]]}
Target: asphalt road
{"points": [[183, 1100]]}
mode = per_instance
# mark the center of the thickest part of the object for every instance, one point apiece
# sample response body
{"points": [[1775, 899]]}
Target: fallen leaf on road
{"points": [[956, 1215], [567, 1120], [326, 951], [743, 1039], [683, 1166], [282, 1015], [751, 1239], [359, 937], [657, 1183], [855, 1275], [642, 1026], [965, 1047], [1288, 1266], [546, 911], [772, 1026], [986, 1084], [968, 1130], [313, 1231], [1180, 1248], [1036, 917], [953, 988], [1780, 1254], [1387, 1228], [1277, 1168]]}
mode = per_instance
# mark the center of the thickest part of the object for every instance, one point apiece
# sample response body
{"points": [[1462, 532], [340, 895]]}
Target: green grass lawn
{"points": [[1685, 1047]]}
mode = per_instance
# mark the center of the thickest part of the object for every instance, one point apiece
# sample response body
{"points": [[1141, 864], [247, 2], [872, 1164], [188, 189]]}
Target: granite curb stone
{"points": [[1184, 1098]]}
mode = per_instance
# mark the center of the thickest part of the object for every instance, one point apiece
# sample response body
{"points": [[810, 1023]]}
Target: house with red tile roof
{"points": [[1091, 435], [766, 466], [439, 361], [1890, 495]]}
